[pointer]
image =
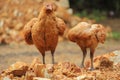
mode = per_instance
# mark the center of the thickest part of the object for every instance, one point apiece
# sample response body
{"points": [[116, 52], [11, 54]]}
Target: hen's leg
{"points": [[91, 57], [84, 55], [52, 53], [43, 57]]}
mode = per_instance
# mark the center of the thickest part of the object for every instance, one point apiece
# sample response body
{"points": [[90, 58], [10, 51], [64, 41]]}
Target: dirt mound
{"points": [[105, 70]]}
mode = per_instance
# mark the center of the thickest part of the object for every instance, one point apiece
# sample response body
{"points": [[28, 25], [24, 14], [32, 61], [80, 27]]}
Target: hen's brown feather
{"points": [[87, 34], [60, 26], [27, 30]]}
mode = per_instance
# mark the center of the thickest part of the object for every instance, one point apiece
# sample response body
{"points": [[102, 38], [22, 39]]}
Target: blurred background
{"points": [[14, 14]]}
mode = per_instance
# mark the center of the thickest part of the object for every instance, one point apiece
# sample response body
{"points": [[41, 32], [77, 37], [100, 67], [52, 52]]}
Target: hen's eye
{"points": [[47, 5]]}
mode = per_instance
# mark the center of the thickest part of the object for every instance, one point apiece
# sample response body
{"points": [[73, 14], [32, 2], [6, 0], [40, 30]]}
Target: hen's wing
{"points": [[86, 34], [60, 26], [79, 32], [27, 31]]}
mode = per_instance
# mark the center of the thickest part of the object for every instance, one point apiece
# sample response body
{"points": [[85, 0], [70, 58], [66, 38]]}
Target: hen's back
{"points": [[79, 31]]}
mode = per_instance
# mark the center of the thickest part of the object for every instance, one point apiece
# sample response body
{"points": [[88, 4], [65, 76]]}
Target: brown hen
{"points": [[43, 32], [87, 36]]}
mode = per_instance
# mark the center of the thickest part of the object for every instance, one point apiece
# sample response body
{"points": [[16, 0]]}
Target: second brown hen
{"points": [[44, 32], [87, 36]]}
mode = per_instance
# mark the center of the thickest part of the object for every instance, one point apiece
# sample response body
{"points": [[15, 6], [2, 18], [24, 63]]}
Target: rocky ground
{"points": [[107, 67]]}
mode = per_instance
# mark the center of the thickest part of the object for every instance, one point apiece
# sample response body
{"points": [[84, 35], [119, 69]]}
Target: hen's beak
{"points": [[49, 8]]}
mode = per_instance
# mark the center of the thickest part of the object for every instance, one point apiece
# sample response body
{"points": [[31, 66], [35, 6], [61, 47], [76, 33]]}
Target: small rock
{"points": [[34, 62], [29, 11], [19, 26], [15, 12], [116, 57], [81, 77], [50, 68], [74, 20], [63, 3], [85, 77], [37, 67], [35, 12], [38, 78], [29, 75], [17, 69], [105, 61], [67, 69], [39, 1], [39, 70], [1, 23], [70, 11], [5, 39], [6, 78]]}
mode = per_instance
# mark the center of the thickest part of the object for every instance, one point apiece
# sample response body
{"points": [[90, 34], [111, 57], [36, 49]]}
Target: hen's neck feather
{"points": [[43, 14]]}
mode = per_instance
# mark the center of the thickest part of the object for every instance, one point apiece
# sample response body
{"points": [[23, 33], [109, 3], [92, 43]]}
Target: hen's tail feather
{"points": [[28, 37]]}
